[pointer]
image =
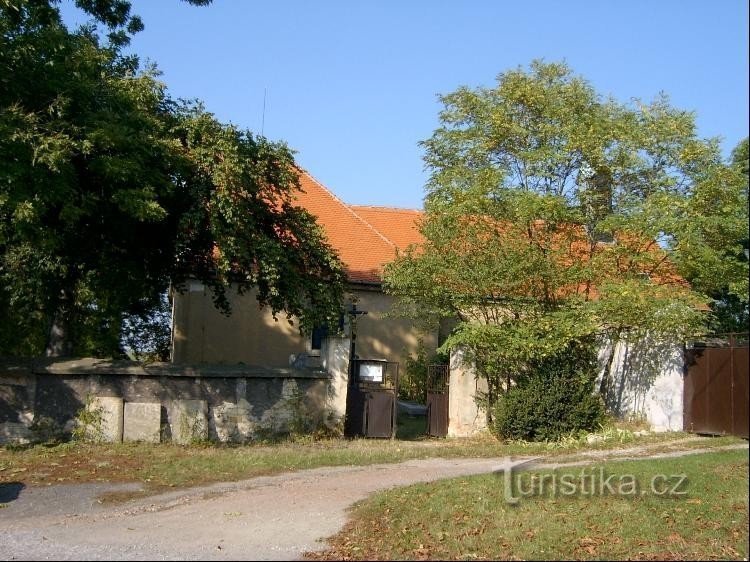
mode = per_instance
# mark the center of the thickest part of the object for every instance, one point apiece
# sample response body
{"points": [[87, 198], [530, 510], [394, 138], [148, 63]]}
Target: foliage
{"points": [[412, 383], [88, 422], [729, 303], [110, 191], [306, 427], [553, 215], [729, 313], [740, 157], [554, 400], [148, 336], [242, 227]]}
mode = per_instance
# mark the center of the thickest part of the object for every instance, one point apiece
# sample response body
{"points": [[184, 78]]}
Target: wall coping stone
{"points": [[92, 366]]}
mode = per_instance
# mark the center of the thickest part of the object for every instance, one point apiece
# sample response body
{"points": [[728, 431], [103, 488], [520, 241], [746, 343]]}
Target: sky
{"points": [[352, 86]]}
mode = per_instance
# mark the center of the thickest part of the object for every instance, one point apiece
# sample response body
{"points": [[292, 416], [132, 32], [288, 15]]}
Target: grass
{"points": [[659, 447], [468, 518], [411, 427], [163, 466]]}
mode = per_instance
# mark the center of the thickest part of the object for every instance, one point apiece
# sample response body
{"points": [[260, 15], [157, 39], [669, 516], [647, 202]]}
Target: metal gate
{"points": [[716, 386], [371, 399], [438, 377]]}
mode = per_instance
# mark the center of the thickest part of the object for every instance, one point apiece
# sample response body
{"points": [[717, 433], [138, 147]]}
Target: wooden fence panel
{"points": [[716, 390]]}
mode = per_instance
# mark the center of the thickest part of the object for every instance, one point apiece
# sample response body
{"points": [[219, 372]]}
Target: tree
{"points": [[110, 191], [729, 302], [555, 217], [740, 158]]}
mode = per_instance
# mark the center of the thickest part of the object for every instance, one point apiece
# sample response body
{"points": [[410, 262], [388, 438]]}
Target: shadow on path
{"points": [[9, 491]]}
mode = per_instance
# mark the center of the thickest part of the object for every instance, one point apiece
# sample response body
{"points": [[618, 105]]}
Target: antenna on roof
{"points": [[263, 118]]}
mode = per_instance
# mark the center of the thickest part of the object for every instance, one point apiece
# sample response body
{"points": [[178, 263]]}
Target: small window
{"points": [[319, 333]]}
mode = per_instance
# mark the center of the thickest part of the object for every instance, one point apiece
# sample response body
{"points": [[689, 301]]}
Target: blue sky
{"points": [[352, 86]]}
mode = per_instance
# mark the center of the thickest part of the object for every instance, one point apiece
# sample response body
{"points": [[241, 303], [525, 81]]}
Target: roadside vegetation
{"points": [[162, 466], [468, 518]]}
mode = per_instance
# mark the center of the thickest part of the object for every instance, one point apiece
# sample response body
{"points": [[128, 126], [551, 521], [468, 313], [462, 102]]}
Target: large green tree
{"points": [[110, 190], [729, 295], [555, 216]]}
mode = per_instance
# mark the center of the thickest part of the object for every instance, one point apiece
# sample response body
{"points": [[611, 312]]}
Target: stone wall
{"points": [[166, 402]]}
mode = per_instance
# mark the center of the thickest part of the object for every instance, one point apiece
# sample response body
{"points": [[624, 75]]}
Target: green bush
{"points": [[555, 399], [89, 420], [412, 384]]}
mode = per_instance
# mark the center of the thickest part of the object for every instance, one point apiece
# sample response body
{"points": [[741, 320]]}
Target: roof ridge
{"points": [[385, 207], [348, 208]]}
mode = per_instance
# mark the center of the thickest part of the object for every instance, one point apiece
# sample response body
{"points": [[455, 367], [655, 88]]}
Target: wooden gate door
{"points": [[438, 377], [716, 387], [371, 399]]}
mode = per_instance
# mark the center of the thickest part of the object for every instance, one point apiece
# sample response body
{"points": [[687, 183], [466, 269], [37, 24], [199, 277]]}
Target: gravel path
{"points": [[266, 518]]}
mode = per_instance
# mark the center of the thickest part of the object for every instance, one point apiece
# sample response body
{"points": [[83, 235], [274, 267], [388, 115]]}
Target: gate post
{"points": [[465, 417], [336, 363]]}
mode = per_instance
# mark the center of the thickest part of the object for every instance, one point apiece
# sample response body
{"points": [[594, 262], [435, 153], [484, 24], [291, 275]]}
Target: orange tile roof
{"points": [[400, 226], [363, 248], [368, 237]]}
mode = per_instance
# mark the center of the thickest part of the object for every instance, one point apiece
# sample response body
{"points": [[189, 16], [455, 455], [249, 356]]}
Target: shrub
{"points": [[89, 420], [555, 399], [412, 384]]}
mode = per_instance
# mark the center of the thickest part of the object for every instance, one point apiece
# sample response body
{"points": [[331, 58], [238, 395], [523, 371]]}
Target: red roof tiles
{"points": [[366, 238], [400, 226]]}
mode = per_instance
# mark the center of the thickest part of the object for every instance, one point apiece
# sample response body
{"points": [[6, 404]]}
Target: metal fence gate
{"points": [[438, 377], [716, 386], [371, 399]]}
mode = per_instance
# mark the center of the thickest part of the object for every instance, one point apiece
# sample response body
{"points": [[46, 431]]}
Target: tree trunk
{"points": [[607, 374], [490, 401], [59, 343]]}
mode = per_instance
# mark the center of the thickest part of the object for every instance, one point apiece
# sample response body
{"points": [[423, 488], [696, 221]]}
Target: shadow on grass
{"points": [[411, 428]]}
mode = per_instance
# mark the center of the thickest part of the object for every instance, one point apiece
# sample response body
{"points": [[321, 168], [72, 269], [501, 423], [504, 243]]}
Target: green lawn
{"points": [[468, 518], [163, 466]]}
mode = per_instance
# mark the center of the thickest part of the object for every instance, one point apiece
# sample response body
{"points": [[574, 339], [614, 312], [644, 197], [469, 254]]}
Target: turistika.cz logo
{"points": [[587, 481]]}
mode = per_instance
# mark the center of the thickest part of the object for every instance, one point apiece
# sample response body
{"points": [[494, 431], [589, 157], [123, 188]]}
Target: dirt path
{"points": [[266, 518]]}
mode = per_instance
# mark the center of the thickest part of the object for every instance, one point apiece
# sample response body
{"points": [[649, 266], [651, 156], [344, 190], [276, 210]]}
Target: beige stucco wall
{"points": [[379, 337], [201, 334], [465, 416], [648, 378]]}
